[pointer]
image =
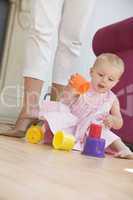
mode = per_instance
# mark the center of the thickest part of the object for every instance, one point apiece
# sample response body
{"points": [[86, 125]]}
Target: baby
{"points": [[99, 104]]}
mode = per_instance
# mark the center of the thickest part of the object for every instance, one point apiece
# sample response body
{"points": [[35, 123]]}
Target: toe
{"points": [[124, 155]]}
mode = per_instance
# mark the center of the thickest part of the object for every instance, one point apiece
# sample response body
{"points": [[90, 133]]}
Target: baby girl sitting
{"points": [[74, 113]]}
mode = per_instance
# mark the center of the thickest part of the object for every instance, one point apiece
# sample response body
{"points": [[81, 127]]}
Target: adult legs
{"points": [[73, 27], [30, 108], [45, 21], [29, 112]]}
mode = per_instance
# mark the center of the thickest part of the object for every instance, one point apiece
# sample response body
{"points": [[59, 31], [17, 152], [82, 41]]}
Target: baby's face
{"points": [[104, 77]]}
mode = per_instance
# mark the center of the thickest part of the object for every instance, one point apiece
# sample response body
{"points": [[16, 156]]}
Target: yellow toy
{"points": [[34, 134], [38, 134], [63, 141]]}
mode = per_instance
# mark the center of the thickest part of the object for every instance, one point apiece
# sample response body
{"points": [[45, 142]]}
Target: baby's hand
{"points": [[109, 121], [69, 94], [71, 83], [69, 90], [73, 78]]}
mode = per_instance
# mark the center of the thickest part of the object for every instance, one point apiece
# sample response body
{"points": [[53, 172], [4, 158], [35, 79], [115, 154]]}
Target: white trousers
{"points": [[66, 18]]}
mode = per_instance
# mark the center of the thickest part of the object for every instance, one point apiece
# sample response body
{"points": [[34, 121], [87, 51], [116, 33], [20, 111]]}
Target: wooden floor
{"points": [[37, 172]]}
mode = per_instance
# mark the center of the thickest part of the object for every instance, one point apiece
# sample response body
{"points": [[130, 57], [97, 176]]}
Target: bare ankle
{"points": [[29, 112], [57, 89]]}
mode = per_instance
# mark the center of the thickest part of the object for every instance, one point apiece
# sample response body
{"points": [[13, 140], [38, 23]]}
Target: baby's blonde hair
{"points": [[112, 59]]}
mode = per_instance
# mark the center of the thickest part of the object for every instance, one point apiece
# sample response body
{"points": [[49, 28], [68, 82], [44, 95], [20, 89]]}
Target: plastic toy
{"points": [[63, 141], [94, 145], [34, 134], [95, 131], [39, 133], [80, 84]]}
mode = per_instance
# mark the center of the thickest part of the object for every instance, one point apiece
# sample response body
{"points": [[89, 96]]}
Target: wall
{"points": [[104, 13], [10, 77]]}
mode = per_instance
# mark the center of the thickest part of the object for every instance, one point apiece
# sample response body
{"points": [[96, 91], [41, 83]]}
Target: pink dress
{"points": [[75, 117]]}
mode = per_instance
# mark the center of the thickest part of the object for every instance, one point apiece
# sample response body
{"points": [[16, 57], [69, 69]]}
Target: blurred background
{"points": [[14, 23]]}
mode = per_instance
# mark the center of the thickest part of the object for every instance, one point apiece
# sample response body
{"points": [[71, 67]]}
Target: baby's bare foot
{"points": [[124, 154]]}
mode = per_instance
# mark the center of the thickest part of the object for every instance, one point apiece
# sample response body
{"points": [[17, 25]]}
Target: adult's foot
{"points": [[24, 121]]}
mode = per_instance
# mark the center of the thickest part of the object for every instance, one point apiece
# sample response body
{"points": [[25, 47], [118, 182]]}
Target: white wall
{"points": [[105, 12]]}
